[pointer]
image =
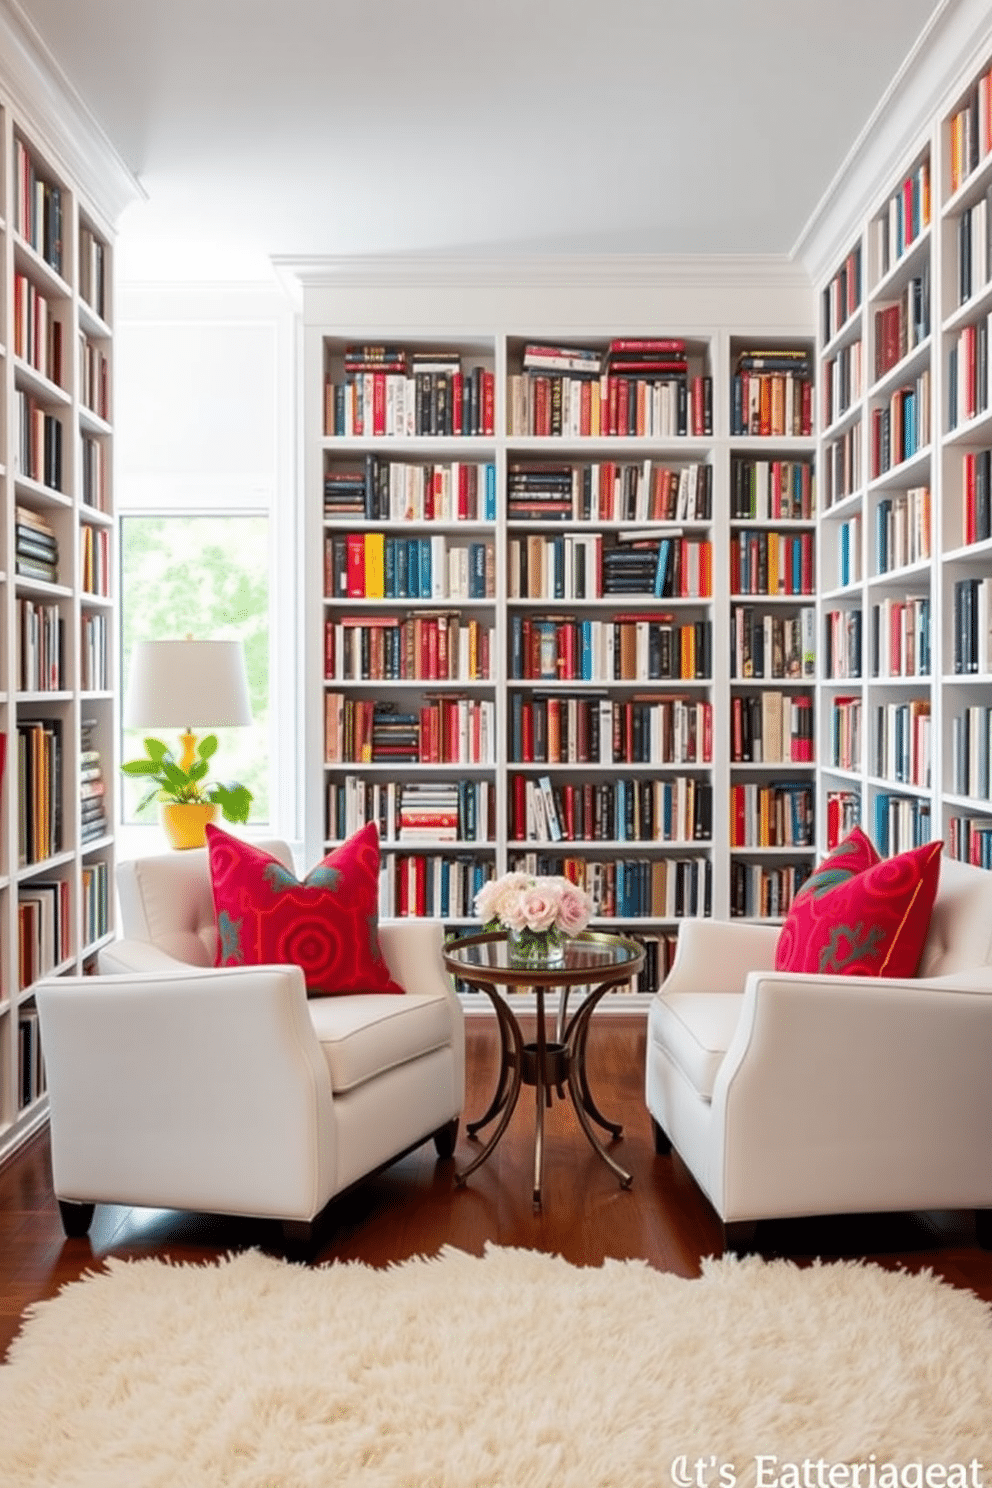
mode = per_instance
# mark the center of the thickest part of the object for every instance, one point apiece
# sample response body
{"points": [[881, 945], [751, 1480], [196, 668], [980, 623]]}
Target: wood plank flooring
{"points": [[414, 1208]]}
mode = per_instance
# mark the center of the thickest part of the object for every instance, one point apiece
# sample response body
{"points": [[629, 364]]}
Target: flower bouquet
{"points": [[539, 914]]}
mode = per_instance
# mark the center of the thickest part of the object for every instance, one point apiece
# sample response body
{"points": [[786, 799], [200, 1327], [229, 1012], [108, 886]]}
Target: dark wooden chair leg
{"points": [[446, 1137], [662, 1143], [76, 1218], [739, 1236], [983, 1228]]}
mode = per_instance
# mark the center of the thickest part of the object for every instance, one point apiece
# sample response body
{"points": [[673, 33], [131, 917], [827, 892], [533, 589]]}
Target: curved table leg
{"points": [[578, 1085], [512, 1062], [506, 1064]]}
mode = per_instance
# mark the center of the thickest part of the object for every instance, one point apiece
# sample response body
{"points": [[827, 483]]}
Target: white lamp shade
{"points": [[187, 684]]}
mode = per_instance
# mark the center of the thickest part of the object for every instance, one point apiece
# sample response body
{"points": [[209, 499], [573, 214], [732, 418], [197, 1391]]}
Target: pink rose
{"points": [[539, 907], [574, 910]]}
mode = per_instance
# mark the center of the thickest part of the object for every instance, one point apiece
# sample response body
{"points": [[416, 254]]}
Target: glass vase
{"points": [[536, 948]]}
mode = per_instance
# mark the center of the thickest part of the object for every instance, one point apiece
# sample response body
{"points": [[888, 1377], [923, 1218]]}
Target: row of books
{"points": [[778, 815], [38, 329], [590, 728], [38, 446], [850, 567], [447, 402], [971, 130], [971, 601], [843, 382], [772, 490], [627, 648], [39, 789], [842, 296], [771, 728], [436, 647], [93, 271], [902, 324], [902, 221], [94, 377], [902, 427], [94, 669], [651, 405], [772, 563], [903, 524], [842, 466], [412, 811], [772, 647], [659, 956], [900, 823], [95, 880], [32, 1077], [772, 393], [842, 644], [968, 373], [92, 786], [36, 548], [372, 565], [431, 885], [44, 929], [635, 561], [609, 491], [444, 730], [971, 754], [902, 744], [843, 811], [759, 891], [900, 637], [93, 473], [382, 490], [39, 209], [974, 248], [969, 839], [621, 355], [676, 810], [976, 506], [94, 559], [658, 888], [845, 733], [41, 636]]}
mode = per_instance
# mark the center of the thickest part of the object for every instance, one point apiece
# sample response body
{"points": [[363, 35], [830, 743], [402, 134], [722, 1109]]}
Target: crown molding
{"points": [[573, 271], [47, 104], [925, 87]]}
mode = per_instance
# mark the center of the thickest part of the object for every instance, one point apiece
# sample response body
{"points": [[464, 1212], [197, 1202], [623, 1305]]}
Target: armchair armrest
{"points": [[412, 948], [718, 955], [123, 956], [855, 1093], [198, 1088]]}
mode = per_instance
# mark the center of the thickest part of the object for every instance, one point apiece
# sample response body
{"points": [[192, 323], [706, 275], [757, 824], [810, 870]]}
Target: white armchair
{"points": [[790, 1094], [179, 1085]]}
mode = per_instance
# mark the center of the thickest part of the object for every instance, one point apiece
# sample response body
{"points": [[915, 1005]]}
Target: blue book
{"points": [[585, 650], [425, 569], [661, 570], [390, 568], [490, 512]]}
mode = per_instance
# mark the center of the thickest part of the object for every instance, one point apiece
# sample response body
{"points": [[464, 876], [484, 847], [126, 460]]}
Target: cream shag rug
{"points": [[511, 1370]]}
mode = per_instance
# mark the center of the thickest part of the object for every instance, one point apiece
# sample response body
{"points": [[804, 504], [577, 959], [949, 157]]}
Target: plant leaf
{"points": [[207, 746]]}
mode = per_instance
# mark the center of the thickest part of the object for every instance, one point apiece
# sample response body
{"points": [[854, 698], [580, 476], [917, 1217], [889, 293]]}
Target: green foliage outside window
{"points": [[208, 577]]}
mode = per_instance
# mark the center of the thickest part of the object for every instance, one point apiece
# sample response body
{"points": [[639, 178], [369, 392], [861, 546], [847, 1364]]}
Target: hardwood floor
{"points": [[414, 1208]]}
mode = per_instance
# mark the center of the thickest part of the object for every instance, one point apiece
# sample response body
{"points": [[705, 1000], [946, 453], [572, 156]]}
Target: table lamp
{"points": [[188, 684]]}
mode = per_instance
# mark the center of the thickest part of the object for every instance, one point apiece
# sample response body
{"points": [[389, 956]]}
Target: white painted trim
{"points": [[921, 91], [54, 114]]}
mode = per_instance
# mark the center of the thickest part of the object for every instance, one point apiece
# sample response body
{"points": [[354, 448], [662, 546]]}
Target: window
{"points": [[207, 576]]}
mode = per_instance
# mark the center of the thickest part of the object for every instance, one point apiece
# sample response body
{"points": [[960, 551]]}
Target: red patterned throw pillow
{"points": [[859, 915], [328, 925]]}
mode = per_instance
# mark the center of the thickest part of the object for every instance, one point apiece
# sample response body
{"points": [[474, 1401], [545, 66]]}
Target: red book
{"points": [[456, 403], [378, 402], [356, 565], [463, 505], [646, 344], [969, 498], [488, 403]]}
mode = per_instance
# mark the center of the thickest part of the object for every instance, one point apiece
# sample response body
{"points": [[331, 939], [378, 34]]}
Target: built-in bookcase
{"points": [[57, 633], [905, 699], [520, 619]]}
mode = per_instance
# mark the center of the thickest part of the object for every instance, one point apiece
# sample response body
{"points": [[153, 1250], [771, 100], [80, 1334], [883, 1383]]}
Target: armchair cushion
{"points": [[871, 922], [327, 925]]}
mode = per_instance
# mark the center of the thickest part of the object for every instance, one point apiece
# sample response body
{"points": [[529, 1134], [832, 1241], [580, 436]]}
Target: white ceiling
{"points": [[455, 126]]}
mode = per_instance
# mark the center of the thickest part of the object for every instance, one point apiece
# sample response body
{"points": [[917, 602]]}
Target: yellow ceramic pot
{"points": [[185, 823]]}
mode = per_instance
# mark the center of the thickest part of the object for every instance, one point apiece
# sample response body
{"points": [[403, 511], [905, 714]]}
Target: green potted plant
{"points": [[189, 800]]}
